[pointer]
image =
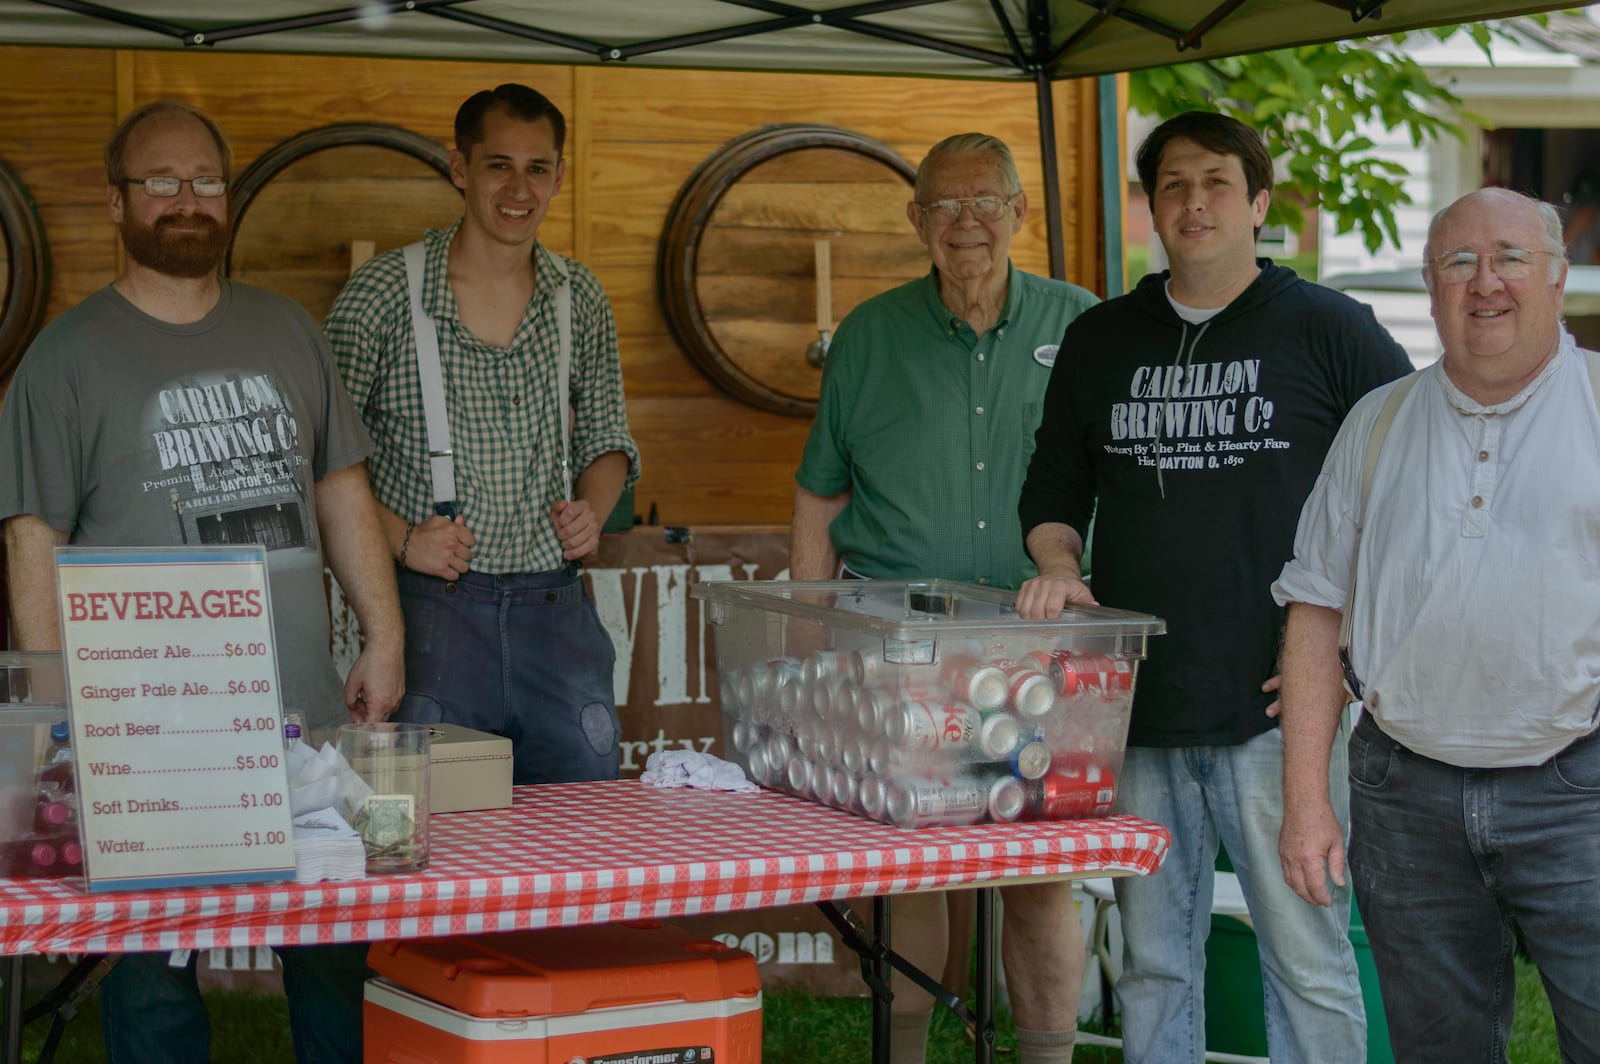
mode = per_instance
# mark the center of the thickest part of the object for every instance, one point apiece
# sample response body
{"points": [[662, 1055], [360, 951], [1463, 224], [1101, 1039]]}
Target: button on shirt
{"points": [[1477, 615], [502, 402], [930, 426]]}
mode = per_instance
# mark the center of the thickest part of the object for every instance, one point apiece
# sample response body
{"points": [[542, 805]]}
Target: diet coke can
{"points": [[871, 796], [915, 803], [820, 782], [1099, 674], [853, 754], [1007, 799], [844, 789], [826, 663], [760, 771], [873, 709], [999, 734], [1076, 786], [969, 680], [948, 726], [799, 776]]}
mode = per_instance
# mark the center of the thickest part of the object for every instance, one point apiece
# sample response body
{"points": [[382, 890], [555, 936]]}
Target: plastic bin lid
{"points": [[901, 609]]}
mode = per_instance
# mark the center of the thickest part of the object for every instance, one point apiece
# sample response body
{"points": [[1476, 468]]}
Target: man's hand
{"points": [[440, 547], [1044, 597], [1310, 849], [1271, 687], [376, 681], [577, 528]]}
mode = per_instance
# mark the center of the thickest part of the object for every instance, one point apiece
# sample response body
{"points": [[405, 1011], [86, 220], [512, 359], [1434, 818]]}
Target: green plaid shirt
{"points": [[501, 402]]}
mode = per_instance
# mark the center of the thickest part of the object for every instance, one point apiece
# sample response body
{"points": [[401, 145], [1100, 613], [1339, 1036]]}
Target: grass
{"points": [[799, 1029]]}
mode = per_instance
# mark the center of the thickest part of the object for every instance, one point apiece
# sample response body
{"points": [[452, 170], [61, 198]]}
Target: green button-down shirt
{"points": [[501, 402], [930, 427]]}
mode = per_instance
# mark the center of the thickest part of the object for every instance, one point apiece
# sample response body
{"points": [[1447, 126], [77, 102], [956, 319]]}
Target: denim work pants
{"points": [[152, 1013], [1445, 860], [1234, 794], [523, 656]]}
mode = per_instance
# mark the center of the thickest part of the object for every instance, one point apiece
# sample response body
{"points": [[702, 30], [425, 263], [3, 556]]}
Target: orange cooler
{"points": [[639, 992]]}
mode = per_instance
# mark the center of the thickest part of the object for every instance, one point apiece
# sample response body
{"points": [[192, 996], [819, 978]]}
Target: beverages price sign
{"points": [[176, 717]]}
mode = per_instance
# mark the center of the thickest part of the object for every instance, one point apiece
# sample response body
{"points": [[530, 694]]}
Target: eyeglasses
{"points": [[165, 186], [1508, 264], [984, 208]]}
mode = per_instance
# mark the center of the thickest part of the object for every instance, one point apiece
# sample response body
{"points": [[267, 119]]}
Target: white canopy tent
{"points": [[1032, 40]]}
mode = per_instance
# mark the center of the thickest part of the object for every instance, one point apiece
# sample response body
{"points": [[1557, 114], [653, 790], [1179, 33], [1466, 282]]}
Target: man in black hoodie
{"points": [[1191, 417]]}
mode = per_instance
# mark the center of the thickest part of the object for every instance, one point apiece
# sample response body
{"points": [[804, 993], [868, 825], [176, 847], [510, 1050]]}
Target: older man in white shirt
{"points": [[1474, 644]]}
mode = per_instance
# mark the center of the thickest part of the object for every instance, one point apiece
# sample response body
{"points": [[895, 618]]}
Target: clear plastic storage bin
{"points": [[920, 703], [38, 786]]}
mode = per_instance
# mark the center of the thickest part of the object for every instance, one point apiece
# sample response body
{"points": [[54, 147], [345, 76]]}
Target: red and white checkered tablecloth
{"points": [[583, 853]]}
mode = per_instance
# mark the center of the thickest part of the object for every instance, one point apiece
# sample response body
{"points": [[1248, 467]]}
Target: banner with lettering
{"points": [[172, 687]]}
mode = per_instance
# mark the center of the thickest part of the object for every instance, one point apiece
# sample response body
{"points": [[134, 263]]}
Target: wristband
{"points": [[405, 544]]}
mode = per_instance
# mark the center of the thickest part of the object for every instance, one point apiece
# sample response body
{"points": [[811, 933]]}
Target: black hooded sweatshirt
{"points": [[1194, 448]]}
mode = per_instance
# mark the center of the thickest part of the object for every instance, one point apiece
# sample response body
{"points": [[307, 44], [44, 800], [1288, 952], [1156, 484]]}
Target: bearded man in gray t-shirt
{"points": [[173, 407]]}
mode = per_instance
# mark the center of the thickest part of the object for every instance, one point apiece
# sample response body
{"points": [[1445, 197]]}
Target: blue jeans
{"points": [[153, 1014], [523, 656], [1446, 860], [1235, 794]]}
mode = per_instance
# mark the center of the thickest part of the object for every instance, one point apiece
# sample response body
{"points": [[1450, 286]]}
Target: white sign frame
{"points": [[177, 720]]}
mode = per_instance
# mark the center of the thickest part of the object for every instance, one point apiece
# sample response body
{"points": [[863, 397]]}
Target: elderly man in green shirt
{"points": [[912, 470]]}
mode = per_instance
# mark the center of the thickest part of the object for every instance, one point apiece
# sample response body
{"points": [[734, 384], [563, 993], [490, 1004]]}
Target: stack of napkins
{"points": [[325, 847]]}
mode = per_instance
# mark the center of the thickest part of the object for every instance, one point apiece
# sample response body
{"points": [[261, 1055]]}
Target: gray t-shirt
{"points": [[128, 431]]}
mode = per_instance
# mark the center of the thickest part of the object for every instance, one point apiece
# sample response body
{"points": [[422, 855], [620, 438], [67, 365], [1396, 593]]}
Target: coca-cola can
{"points": [[1075, 787], [1008, 799], [1031, 760], [969, 680], [1099, 674], [826, 663], [946, 726], [999, 735], [870, 795], [1028, 689], [916, 802]]}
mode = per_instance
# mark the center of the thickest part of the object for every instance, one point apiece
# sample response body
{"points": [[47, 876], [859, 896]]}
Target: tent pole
{"points": [[1052, 173], [1111, 185]]}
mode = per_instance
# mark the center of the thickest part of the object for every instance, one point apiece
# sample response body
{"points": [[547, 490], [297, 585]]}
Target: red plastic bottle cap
{"points": [[43, 855], [72, 853], [56, 813]]}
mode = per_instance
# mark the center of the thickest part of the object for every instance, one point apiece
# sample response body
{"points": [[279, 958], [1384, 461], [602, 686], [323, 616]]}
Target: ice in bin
{"points": [[38, 798], [925, 702]]}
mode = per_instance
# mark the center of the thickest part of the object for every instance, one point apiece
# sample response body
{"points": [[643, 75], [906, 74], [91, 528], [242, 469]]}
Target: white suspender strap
{"points": [[563, 297], [1592, 360], [429, 374]]}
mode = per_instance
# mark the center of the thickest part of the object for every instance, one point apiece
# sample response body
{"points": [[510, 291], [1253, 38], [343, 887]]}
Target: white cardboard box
{"points": [[470, 770]]}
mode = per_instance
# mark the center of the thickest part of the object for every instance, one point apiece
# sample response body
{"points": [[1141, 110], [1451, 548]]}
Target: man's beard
{"points": [[158, 248]]}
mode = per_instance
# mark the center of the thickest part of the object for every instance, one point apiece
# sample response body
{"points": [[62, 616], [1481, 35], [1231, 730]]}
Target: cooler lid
{"points": [[565, 971]]}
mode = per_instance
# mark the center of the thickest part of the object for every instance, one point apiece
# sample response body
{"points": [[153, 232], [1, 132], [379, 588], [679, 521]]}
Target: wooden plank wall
{"points": [[634, 137]]}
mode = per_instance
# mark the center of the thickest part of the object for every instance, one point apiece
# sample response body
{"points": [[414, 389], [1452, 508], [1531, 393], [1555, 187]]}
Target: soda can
{"points": [[1031, 760], [868, 668], [798, 774], [916, 803], [999, 735], [728, 690], [853, 754], [969, 680], [805, 736], [1074, 788], [844, 789], [872, 710], [1099, 674], [947, 726], [844, 702], [744, 735], [870, 795], [744, 687], [827, 695], [1008, 799], [825, 743], [1028, 689], [1043, 659], [826, 663], [820, 781], [881, 755], [760, 770], [779, 749]]}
